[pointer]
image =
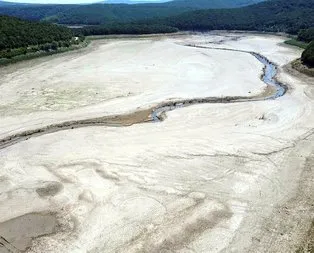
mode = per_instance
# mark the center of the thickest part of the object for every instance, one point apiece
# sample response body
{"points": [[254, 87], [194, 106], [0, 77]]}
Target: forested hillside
{"points": [[133, 1], [21, 37], [306, 35], [308, 55], [289, 16], [275, 15], [19, 33], [212, 4], [5, 3], [123, 29], [34, 12], [95, 14]]}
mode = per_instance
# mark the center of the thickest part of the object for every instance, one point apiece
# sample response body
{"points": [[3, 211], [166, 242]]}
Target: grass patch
{"points": [[296, 43]]}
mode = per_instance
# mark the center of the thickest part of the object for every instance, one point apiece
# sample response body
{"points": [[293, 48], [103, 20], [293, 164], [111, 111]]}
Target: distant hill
{"points": [[212, 4], [275, 15], [133, 1], [95, 14], [272, 15], [4, 3], [8, 3], [199, 4], [16, 33], [34, 12]]}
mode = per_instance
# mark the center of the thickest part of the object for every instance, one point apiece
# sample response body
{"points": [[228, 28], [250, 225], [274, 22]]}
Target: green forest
{"points": [[21, 37], [308, 55], [96, 14], [288, 16], [123, 29], [306, 35], [274, 16], [99, 14]]}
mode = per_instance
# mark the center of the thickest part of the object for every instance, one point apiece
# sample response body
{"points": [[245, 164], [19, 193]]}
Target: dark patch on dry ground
{"points": [[178, 230], [290, 227], [16, 234], [308, 245], [49, 189], [297, 65]]}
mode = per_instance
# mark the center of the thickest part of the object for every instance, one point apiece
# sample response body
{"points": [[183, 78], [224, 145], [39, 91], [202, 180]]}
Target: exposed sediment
{"points": [[210, 178], [274, 89]]}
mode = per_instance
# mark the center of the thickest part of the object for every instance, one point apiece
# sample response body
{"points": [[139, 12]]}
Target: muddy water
{"points": [[16, 234], [269, 76]]}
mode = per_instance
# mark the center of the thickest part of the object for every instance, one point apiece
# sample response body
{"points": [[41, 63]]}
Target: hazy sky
{"points": [[58, 1]]}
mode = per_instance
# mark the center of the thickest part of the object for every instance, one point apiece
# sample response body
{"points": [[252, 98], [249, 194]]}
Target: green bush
{"points": [[306, 35], [308, 55]]}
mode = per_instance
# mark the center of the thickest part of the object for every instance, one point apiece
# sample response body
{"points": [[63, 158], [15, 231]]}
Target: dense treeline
{"points": [[16, 33], [211, 4], [306, 35], [123, 29], [34, 12], [308, 55], [275, 16], [95, 14], [21, 37]]}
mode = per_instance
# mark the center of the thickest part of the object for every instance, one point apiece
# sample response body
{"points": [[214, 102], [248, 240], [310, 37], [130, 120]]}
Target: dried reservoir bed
{"points": [[232, 172]]}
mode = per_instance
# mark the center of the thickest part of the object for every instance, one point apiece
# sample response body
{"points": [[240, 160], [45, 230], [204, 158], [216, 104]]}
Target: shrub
{"points": [[308, 55]]}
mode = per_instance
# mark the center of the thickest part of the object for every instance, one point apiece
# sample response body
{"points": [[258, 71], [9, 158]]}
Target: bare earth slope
{"points": [[209, 178]]}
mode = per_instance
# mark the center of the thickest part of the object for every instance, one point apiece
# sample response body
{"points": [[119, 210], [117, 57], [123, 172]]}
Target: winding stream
{"points": [[268, 77], [157, 113]]}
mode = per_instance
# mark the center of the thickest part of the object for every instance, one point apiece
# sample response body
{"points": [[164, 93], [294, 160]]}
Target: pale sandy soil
{"points": [[210, 178], [120, 76]]}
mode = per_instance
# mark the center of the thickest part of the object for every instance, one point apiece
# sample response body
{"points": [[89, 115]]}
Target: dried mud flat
{"points": [[231, 172]]}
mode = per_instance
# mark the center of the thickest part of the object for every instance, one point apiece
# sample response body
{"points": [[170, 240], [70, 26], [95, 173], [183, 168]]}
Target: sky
{"points": [[57, 1]]}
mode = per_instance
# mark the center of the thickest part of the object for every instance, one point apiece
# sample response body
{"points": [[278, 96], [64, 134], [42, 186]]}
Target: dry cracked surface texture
{"points": [[209, 178]]}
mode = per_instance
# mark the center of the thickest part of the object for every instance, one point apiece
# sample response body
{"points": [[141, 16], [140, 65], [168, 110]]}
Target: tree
{"points": [[306, 35], [19, 37], [308, 55]]}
